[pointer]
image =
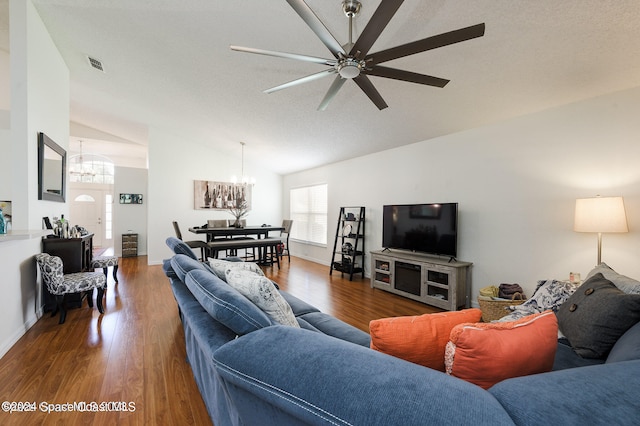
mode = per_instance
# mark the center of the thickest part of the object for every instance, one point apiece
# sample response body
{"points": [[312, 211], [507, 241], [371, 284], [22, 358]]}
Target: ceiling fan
{"points": [[353, 60]]}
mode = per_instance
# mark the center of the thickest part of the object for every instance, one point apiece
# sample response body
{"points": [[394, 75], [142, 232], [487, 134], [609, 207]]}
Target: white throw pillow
{"points": [[220, 267], [261, 291]]}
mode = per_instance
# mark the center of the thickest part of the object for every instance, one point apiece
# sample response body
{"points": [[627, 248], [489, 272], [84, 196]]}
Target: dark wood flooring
{"points": [[134, 354]]}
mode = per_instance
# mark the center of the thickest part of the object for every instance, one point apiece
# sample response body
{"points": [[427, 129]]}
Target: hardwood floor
{"points": [[134, 354]]}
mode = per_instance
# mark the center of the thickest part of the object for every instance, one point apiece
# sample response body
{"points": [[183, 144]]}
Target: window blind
{"points": [[308, 210]]}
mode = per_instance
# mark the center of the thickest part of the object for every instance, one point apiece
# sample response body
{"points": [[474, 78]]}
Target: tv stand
{"points": [[438, 282]]}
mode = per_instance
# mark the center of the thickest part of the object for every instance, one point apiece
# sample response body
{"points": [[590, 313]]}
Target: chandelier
{"points": [[79, 168], [244, 179]]}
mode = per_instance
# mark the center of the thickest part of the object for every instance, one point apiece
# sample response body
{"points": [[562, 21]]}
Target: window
{"points": [[308, 210], [108, 223]]}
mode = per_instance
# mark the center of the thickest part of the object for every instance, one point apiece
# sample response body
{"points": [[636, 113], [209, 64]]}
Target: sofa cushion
{"points": [[180, 247], [221, 266], [182, 264], [334, 327], [627, 347], [167, 269], [299, 307], [566, 357], [596, 315], [225, 304], [605, 394], [261, 291], [420, 339], [624, 283], [487, 353]]}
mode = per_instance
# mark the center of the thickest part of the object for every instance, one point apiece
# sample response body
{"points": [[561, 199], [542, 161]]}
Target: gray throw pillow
{"points": [[624, 283], [596, 315]]}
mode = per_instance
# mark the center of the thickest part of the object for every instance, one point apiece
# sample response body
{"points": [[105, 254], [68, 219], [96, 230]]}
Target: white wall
{"points": [[516, 183], [39, 102], [5, 126], [174, 163], [130, 218]]}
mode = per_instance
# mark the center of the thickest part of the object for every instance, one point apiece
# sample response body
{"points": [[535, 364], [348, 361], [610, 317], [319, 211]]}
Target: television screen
{"points": [[427, 228]]}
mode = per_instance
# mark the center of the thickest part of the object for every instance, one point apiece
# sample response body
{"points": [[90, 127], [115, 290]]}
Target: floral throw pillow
{"points": [[220, 267], [261, 291]]}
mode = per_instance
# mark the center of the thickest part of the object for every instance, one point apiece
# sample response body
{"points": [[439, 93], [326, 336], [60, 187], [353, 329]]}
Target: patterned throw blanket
{"points": [[549, 294]]}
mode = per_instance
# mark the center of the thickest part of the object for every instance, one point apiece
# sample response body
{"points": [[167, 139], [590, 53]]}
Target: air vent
{"points": [[95, 63]]}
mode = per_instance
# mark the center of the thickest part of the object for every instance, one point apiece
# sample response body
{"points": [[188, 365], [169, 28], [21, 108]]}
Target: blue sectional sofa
{"points": [[251, 371]]}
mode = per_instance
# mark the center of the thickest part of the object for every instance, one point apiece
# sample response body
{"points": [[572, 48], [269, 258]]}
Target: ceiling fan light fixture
{"points": [[349, 68]]}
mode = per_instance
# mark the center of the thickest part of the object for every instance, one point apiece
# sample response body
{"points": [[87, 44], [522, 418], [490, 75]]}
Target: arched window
{"points": [[91, 168], [84, 198]]}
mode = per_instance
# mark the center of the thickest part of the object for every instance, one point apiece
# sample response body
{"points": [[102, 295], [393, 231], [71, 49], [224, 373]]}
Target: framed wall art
{"points": [[130, 198], [212, 195]]}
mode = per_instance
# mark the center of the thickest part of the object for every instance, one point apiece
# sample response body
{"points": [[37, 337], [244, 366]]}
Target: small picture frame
{"points": [[130, 198]]}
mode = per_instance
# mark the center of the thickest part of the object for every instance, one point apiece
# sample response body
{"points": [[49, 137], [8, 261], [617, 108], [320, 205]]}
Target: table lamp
{"points": [[600, 214]]}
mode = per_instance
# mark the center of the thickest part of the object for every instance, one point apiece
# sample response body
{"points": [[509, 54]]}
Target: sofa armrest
{"points": [[284, 375]]}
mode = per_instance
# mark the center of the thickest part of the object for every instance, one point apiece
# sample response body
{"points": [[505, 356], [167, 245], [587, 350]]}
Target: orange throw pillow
{"points": [[419, 339], [487, 353]]}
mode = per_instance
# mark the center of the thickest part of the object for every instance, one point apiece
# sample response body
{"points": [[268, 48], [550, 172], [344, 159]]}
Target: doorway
{"points": [[92, 209]]}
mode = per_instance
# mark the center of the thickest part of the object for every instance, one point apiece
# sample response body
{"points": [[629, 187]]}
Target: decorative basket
{"points": [[495, 309]]}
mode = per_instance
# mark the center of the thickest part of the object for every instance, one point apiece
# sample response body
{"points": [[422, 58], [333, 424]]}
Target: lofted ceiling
{"points": [[168, 64]]}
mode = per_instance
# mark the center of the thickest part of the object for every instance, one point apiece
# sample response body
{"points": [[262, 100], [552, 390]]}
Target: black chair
{"points": [[193, 244]]}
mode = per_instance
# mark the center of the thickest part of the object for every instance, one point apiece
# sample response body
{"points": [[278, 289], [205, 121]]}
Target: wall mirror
{"points": [[52, 166]]}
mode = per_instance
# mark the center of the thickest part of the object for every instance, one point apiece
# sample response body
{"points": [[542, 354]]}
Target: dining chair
{"points": [[193, 244], [218, 223], [284, 237], [59, 283]]}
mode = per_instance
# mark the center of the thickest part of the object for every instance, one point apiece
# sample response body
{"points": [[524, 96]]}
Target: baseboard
{"points": [[13, 339]]}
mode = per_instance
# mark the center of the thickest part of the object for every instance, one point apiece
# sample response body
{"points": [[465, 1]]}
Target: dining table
{"points": [[260, 231], [216, 238]]}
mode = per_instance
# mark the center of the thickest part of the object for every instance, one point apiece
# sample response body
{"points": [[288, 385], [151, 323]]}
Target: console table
{"points": [[437, 282], [76, 255]]}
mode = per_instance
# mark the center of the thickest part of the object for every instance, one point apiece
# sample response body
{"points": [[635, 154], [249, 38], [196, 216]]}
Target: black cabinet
{"points": [[76, 255]]}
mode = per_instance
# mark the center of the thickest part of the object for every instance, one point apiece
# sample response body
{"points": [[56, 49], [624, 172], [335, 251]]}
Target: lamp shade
{"points": [[600, 214]]}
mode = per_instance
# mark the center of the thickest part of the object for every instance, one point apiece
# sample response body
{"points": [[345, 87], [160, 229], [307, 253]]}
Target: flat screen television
{"points": [[425, 228]]}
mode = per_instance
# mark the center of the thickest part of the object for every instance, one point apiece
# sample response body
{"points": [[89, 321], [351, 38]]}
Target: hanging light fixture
{"points": [[79, 168], [244, 179]]}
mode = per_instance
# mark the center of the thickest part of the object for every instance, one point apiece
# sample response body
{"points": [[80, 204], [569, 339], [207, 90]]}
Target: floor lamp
{"points": [[600, 214]]}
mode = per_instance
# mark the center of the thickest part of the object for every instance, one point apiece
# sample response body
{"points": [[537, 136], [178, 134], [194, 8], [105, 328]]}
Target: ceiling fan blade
{"points": [[409, 76], [312, 20], [305, 58], [375, 26], [302, 80], [331, 93], [367, 87], [440, 40]]}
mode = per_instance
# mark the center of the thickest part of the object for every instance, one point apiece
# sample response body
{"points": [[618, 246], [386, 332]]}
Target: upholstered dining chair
{"points": [[59, 283], [193, 244], [284, 237], [218, 223]]}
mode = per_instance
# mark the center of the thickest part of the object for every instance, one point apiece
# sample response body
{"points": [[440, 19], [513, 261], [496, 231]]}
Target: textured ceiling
{"points": [[168, 63]]}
